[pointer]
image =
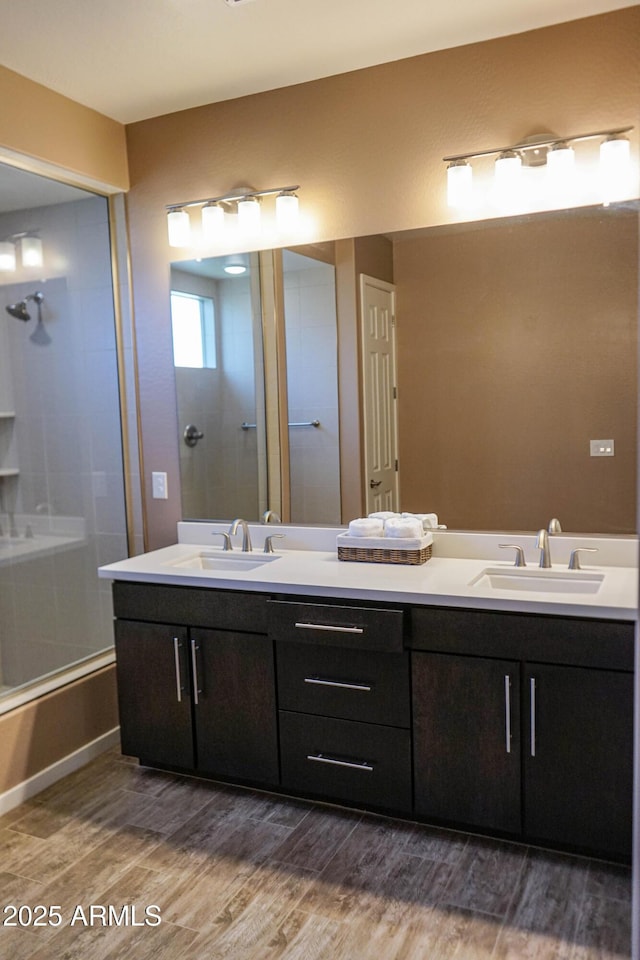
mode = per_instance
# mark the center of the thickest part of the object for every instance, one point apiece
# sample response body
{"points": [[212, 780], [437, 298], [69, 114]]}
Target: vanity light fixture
{"points": [[556, 153], [30, 246], [215, 211]]}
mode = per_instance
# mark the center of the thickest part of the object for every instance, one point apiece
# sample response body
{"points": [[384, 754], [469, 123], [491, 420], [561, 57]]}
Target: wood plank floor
{"points": [[245, 876]]}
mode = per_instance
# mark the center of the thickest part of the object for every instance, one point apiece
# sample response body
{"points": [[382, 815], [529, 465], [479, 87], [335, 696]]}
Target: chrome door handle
{"points": [[353, 765], [507, 711], [194, 664], [176, 655], [338, 683], [329, 627], [532, 707], [191, 435]]}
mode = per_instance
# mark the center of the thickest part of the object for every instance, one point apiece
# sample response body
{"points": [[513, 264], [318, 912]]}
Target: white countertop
{"points": [[441, 581]]}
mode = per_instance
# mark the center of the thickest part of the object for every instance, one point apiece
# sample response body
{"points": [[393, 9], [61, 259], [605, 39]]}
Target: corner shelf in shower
{"points": [[7, 415], [8, 473]]}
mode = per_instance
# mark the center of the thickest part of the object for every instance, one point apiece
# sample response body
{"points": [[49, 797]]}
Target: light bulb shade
{"points": [[249, 215], [212, 221], [508, 178], [287, 211], [179, 228], [615, 168], [7, 255], [31, 251], [459, 183], [561, 160]]}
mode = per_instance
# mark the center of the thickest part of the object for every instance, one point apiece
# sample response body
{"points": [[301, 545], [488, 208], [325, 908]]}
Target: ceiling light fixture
{"points": [[555, 153], [217, 210]]}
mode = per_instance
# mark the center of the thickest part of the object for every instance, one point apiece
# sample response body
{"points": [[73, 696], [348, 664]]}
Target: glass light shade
{"points": [[508, 178], [249, 215], [459, 183], [7, 255], [31, 251], [235, 269], [287, 210], [212, 221], [561, 162], [179, 228], [615, 169]]}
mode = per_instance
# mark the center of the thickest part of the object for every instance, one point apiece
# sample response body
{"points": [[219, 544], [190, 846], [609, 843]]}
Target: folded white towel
{"points": [[366, 527], [429, 520], [384, 514], [403, 527]]}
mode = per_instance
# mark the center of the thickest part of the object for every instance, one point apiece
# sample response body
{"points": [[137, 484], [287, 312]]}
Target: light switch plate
{"points": [[601, 448], [159, 486]]}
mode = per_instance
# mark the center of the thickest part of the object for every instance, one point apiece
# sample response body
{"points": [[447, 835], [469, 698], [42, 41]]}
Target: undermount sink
{"points": [[224, 560], [536, 580]]}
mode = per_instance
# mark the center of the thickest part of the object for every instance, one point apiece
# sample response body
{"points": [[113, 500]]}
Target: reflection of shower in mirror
{"points": [[20, 312]]}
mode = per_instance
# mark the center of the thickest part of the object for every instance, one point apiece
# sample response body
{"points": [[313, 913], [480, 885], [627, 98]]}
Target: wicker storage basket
{"points": [[384, 549]]}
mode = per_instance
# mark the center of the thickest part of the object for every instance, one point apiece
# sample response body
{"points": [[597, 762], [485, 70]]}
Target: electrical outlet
{"points": [[159, 486], [601, 448]]}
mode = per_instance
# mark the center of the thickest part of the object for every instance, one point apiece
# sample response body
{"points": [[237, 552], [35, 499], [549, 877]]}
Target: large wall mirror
{"points": [[515, 347]]}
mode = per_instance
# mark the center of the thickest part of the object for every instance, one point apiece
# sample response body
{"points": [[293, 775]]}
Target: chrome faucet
{"points": [[270, 516], [542, 543], [246, 538]]}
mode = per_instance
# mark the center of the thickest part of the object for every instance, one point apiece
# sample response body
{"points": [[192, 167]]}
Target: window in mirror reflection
{"points": [[193, 328]]}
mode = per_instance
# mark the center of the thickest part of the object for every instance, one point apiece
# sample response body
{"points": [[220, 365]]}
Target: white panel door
{"points": [[379, 393]]}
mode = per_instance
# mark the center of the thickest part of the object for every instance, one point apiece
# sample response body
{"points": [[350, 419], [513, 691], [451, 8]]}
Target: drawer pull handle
{"points": [[176, 654], [507, 711], [338, 683], [532, 720], [194, 663], [353, 765], [329, 627]]}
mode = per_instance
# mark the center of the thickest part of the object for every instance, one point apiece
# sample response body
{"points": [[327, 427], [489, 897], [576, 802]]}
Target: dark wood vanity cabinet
{"points": [[191, 696], [510, 724], [539, 746]]}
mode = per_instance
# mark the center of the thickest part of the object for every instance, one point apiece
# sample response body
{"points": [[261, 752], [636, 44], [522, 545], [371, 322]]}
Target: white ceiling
{"points": [[133, 59]]}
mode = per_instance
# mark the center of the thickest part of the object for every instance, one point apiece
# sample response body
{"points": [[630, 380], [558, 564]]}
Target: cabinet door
{"points": [[235, 706], [154, 693], [467, 741], [579, 757]]}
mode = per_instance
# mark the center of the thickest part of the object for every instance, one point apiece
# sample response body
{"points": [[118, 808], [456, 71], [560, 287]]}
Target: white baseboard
{"points": [[62, 768]]}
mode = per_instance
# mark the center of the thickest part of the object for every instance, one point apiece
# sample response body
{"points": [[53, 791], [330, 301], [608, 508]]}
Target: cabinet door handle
{"points": [[353, 765], [329, 627], [532, 705], [507, 711], [194, 664], [338, 683], [176, 655]]}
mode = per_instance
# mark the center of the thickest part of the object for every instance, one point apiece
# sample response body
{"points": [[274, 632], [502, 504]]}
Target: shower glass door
{"points": [[62, 503]]}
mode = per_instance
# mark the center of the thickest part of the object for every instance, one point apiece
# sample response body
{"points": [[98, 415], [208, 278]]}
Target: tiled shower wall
{"points": [[66, 443]]}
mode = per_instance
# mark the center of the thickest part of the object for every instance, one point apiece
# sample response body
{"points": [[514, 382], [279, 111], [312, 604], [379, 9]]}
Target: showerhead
{"points": [[19, 309]]}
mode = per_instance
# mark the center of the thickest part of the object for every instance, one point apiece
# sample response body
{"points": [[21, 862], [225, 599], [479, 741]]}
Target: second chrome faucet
{"points": [[246, 536]]}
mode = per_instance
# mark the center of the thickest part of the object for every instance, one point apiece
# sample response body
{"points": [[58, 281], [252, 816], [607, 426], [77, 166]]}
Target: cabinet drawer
{"points": [[345, 761], [519, 636], [365, 628], [346, 683], [195, 606]]}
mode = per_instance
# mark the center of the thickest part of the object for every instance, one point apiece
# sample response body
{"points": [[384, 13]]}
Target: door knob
{"points": [[192, 435], [374, 483]]}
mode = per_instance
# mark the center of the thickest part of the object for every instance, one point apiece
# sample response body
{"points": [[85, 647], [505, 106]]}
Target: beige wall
{"points": [[55, 136], [367, 149], [47, 730], [64, 135]]}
